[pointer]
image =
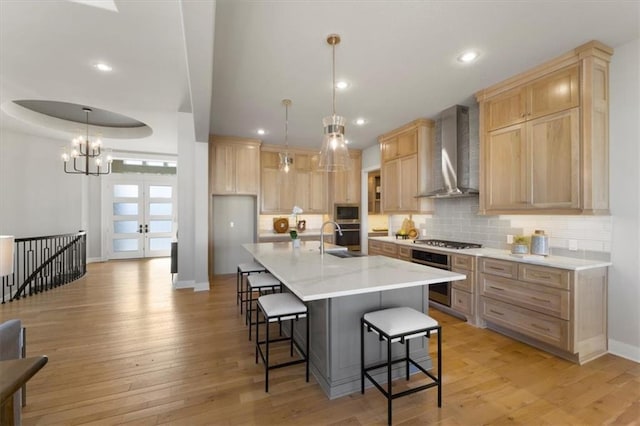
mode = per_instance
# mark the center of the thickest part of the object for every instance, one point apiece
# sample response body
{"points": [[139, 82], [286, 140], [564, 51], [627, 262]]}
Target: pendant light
{"points": [[285, 159], [334, 155]]}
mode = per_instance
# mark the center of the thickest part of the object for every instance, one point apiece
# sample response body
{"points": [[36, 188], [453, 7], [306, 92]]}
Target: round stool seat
{"points": [[262, 280], [282, 306]]}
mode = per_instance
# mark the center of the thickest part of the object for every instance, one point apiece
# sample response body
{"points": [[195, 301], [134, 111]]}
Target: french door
{"points": [[142, 214]]}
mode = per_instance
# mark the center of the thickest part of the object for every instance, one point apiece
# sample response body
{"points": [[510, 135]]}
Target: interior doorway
{"points": [[141, 216]]}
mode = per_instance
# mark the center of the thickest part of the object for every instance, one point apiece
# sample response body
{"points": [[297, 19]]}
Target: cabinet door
{"points": [[507, 109], [277, 189], [557, 91], [247, 169], [270, 191], [317, 187], [389, 149], [506, 171], [390, 194], [555, 153], [408, 183], [407, 142], [223, 170], [346, 183]]}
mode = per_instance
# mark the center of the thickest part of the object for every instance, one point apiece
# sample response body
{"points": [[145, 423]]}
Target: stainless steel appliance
{"points": [[347, 213], [439, 293], [348, 216]]}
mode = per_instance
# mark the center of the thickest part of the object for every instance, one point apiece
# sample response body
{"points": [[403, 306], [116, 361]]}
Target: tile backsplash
{"points": [[314, 221], [457, 219]]}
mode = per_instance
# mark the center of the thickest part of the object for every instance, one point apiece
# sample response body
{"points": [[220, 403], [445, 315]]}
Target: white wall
{"points": [[624, 275], [193, 207], [37, 198]]}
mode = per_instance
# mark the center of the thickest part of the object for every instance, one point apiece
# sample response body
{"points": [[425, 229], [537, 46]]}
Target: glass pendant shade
{"points": [[285, 162], [334, 154]]}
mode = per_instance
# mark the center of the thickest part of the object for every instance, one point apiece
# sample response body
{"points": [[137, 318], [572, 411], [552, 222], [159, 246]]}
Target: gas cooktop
{"points": [[448, 244]]}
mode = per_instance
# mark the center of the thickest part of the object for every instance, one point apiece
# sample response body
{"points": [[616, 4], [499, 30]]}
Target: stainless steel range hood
{"points": [[453, 153]]}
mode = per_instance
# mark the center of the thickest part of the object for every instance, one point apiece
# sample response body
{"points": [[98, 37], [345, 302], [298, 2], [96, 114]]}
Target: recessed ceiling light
{"points": [[360, 121], [101, 66], [261, 131], [468, 56], [342, 85]]}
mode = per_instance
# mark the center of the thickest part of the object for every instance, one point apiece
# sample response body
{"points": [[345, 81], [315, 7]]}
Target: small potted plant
{"points": [[520, 245], [295, 241]]}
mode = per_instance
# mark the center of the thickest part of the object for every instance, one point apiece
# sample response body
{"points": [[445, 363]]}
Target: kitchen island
{"points": [[338, 291]]}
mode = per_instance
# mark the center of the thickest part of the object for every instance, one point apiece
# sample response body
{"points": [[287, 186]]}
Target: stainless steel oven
{"points": [[439, 293], [350, 237]]}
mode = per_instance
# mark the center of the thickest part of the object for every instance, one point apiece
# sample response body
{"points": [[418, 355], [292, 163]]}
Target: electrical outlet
{"points": [[573, 245], [509, 239], [424, 232]]}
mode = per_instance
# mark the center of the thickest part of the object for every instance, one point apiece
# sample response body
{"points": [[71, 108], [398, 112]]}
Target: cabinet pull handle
{"points": [[542, 277], [541, 300], [496, 288], [496, 268], [495, 312], [522, 115], [540, 328]]}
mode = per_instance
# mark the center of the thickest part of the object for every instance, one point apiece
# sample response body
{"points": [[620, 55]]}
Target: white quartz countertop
{"points": [[311, 276], [561, 262]]}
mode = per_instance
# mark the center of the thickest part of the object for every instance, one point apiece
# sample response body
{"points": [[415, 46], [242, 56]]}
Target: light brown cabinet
{"points": [[405, 173], [561, 311], [346, 184], [382, 248], [463, 292], [373, 192], [234, 165], [544, 137], [304, 185]]}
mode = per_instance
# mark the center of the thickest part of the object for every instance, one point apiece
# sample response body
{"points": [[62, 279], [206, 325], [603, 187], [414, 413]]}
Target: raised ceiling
{"points": [[399, 56]]}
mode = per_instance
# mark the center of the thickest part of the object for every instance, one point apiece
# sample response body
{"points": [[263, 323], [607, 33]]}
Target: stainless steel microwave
{"points": [[347, 213]]}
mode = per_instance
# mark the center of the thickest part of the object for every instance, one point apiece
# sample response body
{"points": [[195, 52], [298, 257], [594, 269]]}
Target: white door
{"points": [[141, 214]]}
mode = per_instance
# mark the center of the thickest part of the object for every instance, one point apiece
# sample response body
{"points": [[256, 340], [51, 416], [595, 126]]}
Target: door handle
{"points": [[140, 229], [146, 228]]}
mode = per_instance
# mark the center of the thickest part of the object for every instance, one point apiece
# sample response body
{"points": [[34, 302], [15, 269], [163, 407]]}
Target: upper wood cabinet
{"points": [[346, 184], [234, 165], [544, 137], [304, 185], [554, 92], [407, 154]]}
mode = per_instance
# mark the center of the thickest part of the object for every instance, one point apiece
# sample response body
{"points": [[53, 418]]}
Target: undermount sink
{"points": [[344, 254]]}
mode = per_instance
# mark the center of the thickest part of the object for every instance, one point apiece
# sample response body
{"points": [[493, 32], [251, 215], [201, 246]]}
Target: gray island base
{"points": [[338, 291]]}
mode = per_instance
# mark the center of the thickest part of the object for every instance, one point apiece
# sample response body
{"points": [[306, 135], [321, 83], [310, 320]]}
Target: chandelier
{"points": [[82, 151], [334, 155], [285, 158]]}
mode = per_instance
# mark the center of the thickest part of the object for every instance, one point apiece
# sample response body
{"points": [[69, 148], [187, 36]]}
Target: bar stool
{"points": [[281, 307], [263, 284], [400, 325], [244, 270]]}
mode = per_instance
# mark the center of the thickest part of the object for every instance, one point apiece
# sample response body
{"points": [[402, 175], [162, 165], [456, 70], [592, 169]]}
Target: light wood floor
{"points": [[125, 348]]}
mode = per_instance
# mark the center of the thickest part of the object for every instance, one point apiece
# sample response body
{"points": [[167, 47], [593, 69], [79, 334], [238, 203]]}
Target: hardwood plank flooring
{"points": [[124, 348]]}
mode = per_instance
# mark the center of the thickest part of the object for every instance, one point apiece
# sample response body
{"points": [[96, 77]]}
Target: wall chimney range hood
{"points": [[453, 153]]}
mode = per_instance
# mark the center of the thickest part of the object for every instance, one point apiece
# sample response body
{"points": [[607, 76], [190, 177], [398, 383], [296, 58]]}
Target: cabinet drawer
{"points": [[543, 275], [542, 299], [389, 249], [544, 328], [462, 301], [462, 262], [404, 253], [499, 267], [466, 284]]}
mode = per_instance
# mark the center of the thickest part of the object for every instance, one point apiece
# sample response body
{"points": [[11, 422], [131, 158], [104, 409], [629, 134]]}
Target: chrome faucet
{"points": [[322, 233]]}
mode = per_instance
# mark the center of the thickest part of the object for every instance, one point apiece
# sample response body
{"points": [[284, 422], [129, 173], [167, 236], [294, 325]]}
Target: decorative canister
{"points": [[540, 243]]}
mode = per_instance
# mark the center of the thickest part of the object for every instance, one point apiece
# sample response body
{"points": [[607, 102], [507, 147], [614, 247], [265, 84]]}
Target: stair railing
{"points": [[43, 263]]}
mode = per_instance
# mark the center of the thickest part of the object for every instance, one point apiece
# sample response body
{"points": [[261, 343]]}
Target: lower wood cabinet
{"points": [[382, 248], [561, 311], [463, 293]]}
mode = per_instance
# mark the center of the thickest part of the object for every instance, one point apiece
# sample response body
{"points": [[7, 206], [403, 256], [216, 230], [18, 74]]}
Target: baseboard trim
{"points": [[624, 350]]}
